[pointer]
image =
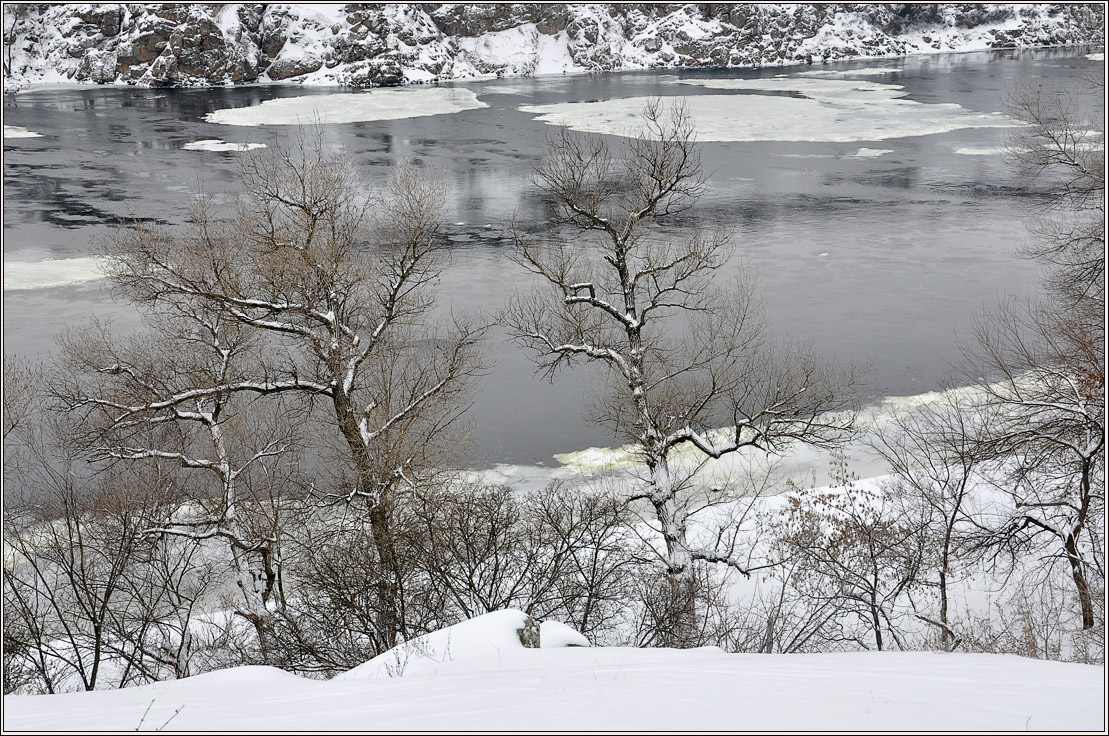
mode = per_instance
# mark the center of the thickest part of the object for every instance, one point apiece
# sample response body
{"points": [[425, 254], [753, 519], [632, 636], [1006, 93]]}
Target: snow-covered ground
{"points": [[490, 681]]}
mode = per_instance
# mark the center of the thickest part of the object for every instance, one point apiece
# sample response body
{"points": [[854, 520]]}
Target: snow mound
{"points": [[351, 107], [484, 642], [555, 634], [215, 144]]}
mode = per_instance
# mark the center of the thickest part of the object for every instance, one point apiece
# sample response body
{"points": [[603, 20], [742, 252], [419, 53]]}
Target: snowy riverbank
{"points": [[198, 45]]}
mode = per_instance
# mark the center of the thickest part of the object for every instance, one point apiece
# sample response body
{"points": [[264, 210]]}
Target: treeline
{"points": [[269, 472]]}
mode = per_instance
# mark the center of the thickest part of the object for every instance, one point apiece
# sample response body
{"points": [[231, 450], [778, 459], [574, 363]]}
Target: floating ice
{"points": [[48, 273], [825, 111], [15, 131], [986, 151], [871, 152], [215, 144], [502, 90], [1096, 57], [352, 107], [838, 73]]}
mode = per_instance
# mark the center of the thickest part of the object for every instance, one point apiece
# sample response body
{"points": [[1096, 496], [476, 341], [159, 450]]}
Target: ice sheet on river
{"points": [[611, 468], [50, 272], [351, 107], [215, 144], [15, 131], [785, 108]]}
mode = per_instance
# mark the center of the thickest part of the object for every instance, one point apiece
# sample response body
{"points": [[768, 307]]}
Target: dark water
{"points": [[881, 261]]}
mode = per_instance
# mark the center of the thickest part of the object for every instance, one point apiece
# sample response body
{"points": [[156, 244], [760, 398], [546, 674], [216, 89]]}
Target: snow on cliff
{"points": [[389, 44]]}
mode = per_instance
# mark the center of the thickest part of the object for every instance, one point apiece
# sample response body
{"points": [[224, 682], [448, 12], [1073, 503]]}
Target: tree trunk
{"points": [[680, 607], [945, 633], [1085, 600], [388, 623]]}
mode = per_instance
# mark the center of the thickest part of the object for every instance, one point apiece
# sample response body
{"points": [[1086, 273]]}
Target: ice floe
{"points": [[352, 107], [50, 272], [787, 108], [838, 73], [215, 144], [15, 131], [1096, 57], [983, 151], [871, 152], [502, 90]]}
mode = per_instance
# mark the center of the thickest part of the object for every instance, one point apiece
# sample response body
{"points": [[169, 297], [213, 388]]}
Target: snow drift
{"points": [[495, 684]]}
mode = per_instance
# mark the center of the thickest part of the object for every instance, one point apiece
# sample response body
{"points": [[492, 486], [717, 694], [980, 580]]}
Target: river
{"points": [[878, 250]]}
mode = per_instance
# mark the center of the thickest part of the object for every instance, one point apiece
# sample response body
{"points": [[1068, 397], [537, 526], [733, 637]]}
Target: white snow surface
{"points": [[519, 51], [215, 144], [827, 110], [608, 689], [379, 104], [15, 131], [50, 272]]}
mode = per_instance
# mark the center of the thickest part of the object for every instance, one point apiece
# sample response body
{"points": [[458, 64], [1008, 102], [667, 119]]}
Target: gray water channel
{"points": [[879, 259]]}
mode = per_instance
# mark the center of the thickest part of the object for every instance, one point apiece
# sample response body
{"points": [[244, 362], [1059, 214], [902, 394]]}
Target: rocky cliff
{"points": [[388, 44]]}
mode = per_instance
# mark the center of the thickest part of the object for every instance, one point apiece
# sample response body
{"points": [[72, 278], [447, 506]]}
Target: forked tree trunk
{"points": [[679, 610]]}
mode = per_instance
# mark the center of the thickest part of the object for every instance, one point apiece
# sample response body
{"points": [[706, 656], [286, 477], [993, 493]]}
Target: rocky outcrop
{"points": [[388, 44]]}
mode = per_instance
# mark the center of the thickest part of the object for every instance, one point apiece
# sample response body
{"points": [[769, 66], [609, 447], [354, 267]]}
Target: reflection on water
{"points": [[876, 259]]}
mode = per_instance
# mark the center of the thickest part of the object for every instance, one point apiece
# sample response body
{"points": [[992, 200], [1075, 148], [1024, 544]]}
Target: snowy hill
{"points": [[493, 682], [362, 44]]}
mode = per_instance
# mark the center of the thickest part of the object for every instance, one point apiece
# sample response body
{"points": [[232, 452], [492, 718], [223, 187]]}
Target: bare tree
{"points": [[335, 283], [1060, 149], [559, 552], [70, 554], [120, 393], [934, 455], [22, 386], [1048, 439], [681, 356], [859, 551], [155, 635]]}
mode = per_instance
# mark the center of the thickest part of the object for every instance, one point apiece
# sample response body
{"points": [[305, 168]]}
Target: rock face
{"points": [[363, 44]]}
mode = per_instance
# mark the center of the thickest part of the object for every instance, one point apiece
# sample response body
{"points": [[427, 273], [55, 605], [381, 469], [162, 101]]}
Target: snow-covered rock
{"points": [[481, 643], [396, 43]]}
